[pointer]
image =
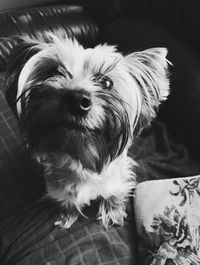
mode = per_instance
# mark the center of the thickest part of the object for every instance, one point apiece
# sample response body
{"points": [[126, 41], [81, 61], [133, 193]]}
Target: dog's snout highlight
{"points": [[85, 103]]}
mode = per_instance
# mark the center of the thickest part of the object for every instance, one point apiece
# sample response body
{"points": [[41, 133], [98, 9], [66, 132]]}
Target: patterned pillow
{"points": [[167, 217]]}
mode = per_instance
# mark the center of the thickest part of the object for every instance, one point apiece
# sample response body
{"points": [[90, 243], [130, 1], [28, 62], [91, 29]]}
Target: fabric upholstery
{"points": [[37, 241], [18, 179]]}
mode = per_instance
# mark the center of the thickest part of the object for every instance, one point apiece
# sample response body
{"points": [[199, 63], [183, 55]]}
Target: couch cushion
{"points": [[18, 179], [37, 241]]}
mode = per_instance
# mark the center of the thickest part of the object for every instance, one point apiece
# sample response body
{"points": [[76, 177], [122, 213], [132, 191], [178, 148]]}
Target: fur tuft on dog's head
{"points": [[87, 104]]}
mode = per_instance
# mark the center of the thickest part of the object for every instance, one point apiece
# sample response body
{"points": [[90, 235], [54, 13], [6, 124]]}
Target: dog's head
{"points": [[86, 104]]}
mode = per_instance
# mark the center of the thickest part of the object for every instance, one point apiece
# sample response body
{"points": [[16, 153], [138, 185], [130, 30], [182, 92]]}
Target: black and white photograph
{"points": [[99, 132]]}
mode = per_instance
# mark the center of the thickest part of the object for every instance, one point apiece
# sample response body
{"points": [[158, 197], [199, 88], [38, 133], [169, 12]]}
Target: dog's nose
{"points": [[85, 102], [78, 101]]}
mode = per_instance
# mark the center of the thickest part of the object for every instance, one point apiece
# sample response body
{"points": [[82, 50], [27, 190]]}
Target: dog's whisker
{"points": [[22, 95]]}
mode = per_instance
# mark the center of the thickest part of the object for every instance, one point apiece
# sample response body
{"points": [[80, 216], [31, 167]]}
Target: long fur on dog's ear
{"points": [[20, 54], [150, 69]]}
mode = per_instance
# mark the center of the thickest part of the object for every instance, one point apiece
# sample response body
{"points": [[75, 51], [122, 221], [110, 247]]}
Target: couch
{"points": [[168, 148]]}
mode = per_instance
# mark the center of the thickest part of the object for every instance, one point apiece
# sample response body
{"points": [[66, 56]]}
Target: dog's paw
{"points": [[66, 221], [68, 216], [112, 212]]}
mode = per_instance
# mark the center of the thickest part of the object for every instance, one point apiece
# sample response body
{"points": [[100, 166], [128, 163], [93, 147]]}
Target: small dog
{"points": [[80, 110]]}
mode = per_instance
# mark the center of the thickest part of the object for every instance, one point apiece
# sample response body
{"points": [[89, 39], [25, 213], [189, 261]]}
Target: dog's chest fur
{"points": [[73, 183]]}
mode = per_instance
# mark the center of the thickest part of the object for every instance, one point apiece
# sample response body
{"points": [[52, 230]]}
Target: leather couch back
{"points": [[5, 4], [32, 21], [179, 16]]}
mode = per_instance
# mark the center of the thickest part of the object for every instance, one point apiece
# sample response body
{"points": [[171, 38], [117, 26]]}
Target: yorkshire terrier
{"points": [[79, 110]]}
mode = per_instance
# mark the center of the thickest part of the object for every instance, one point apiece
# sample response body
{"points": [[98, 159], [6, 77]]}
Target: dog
{"points": [[79, 110]]}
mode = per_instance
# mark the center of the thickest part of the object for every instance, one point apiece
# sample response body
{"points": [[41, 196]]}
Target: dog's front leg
{"points": [[112, 211]]}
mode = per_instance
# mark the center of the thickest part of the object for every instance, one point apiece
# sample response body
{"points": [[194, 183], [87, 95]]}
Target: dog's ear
{"points": [[19, 55], [150, 70]]}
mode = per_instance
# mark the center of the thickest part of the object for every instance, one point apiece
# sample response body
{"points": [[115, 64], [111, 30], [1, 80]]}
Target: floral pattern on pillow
{"points": [[168, 221]]}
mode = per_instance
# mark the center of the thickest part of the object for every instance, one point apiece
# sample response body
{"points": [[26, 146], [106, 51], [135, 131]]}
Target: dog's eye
{"points": [[105, 82]]}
